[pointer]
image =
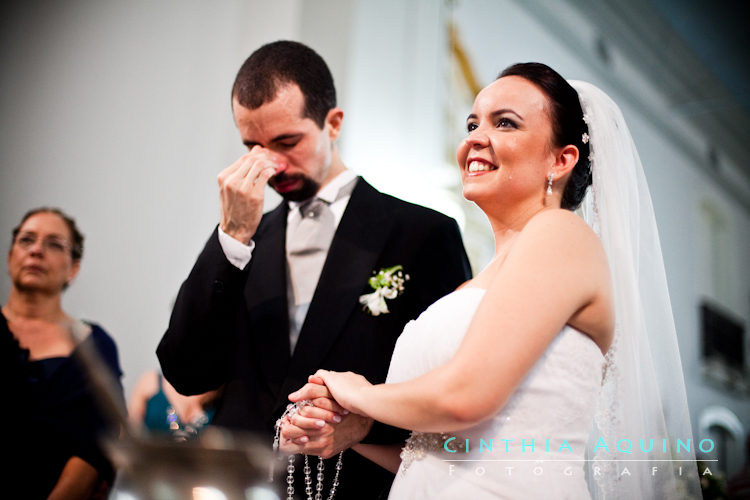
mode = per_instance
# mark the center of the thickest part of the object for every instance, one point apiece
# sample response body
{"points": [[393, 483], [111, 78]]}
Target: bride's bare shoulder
{"points": [[559, 221], [558, 236]]}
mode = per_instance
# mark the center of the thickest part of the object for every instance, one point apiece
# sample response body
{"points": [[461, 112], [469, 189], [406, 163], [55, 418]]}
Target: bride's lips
{"points": [[478, 166]]}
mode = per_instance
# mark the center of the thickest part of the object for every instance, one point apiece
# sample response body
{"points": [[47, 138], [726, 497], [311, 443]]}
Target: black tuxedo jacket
{"points": [[231, 327]]}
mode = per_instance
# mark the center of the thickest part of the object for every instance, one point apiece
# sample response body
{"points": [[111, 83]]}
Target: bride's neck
{"points": [[506, 226]]}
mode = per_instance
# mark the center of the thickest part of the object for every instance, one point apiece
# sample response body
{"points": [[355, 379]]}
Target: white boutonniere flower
{"points": [[388, 284]]}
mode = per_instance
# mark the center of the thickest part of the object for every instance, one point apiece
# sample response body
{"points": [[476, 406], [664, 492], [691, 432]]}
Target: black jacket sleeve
{"points": [[193, 351]]}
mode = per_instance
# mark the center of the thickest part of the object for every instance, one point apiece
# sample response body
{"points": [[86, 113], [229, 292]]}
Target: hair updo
{"points": [[568, 126]]}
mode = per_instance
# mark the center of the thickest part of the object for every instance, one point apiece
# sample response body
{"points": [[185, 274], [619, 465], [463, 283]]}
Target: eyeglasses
{"points": [[52, 244]]}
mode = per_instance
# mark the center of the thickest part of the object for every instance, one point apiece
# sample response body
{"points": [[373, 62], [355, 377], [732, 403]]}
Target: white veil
{"points": [[643, 393]]}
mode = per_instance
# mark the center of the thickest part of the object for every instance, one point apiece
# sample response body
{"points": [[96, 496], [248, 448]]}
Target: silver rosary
{"points": [[291, 410]]}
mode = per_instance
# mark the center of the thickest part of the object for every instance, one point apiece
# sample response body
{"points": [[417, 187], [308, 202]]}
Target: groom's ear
{"points": [[565, 161], [333, 123]]}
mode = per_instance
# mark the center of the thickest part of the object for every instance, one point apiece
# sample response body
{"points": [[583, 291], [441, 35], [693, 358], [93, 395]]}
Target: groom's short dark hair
{"points": [[281, 63]]}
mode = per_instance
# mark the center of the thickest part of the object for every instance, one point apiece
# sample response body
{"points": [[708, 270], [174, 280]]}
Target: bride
{"points": [[525, 381]]}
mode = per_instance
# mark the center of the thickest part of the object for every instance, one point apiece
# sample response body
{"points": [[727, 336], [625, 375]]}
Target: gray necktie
{"points": [[310, 237]]}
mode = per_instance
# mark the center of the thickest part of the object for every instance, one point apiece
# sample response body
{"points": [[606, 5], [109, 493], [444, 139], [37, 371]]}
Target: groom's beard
{"points": [[307, 189]]}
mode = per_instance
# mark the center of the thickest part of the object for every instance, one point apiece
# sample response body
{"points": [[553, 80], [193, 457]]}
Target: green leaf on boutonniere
{"points": [[388, 283]]}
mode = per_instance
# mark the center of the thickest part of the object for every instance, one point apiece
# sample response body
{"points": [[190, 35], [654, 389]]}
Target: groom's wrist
{"points": [[359, 430]]}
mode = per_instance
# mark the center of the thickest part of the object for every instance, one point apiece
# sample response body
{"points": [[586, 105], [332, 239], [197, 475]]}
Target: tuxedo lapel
{"points": [[266, 301], [354, 251]]}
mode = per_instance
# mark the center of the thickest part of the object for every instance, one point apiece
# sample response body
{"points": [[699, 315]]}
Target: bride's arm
{"points": [[556, 269]]}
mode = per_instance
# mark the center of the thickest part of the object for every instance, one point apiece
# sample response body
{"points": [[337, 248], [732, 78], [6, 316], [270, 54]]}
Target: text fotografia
{"points": [[560, 449], [453, 445], [538, 470]]}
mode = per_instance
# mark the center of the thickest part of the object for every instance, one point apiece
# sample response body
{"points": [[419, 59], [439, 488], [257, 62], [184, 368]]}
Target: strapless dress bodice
{"points": [[532, 448]]}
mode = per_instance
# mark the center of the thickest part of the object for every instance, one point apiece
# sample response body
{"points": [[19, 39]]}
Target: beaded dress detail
{"points": [[533, 448]]}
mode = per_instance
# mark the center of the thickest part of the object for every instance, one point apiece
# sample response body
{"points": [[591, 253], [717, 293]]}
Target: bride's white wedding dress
{"points": [[553, 406]]}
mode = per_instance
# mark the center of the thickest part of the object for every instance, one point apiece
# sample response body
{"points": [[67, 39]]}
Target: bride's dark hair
{"points": [[568, 126]]}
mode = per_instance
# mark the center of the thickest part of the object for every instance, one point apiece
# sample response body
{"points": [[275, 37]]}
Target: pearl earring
{"points": [[549, 183]]}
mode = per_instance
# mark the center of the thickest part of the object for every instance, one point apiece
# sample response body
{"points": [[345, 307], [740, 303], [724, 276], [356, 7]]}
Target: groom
{"points": [[274, 297]]}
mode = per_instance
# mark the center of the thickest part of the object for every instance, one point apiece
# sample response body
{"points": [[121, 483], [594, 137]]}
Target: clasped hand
{"points": [[334, 423]]}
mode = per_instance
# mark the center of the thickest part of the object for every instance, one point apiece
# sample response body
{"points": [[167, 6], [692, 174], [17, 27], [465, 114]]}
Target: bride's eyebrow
{"points": [[495, 114], [503, 111]]}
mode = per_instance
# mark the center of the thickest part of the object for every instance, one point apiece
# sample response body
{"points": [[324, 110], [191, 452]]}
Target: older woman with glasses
{"points": [[55, 422]]}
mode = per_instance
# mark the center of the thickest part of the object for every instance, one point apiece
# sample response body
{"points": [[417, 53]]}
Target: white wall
{"points": [[394, 128]]}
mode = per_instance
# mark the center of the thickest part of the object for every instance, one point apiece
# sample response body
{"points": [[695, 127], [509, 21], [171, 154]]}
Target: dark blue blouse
{"points": [[54, 415]]}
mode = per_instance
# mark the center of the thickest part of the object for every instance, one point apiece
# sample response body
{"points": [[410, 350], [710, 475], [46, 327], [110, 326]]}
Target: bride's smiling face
{"points": [[507, 154]]}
